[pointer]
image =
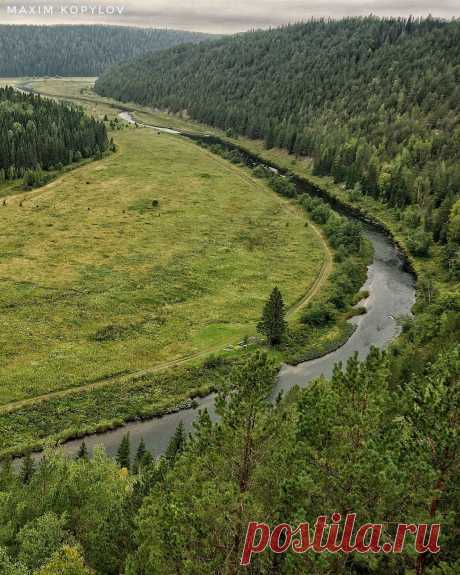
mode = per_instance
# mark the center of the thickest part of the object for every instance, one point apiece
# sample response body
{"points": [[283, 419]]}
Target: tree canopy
{"points": [[79, 50], [38, 132], [374, 102]]}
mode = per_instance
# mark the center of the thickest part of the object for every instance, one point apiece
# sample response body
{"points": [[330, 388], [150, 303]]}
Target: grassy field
{"points": [[96, 281]]}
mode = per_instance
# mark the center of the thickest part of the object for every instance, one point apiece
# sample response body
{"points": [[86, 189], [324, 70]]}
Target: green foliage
{"points": [[83, 50], [371, 440], [176, 444], [273, 324], [143, 458], [66, 561], [27, 468], [35, 131], [387, 126], [10, 567], [40, 538], [83, 451], [124, 453], [35, 178], [283, 186], [419, 243], [319, 314]]}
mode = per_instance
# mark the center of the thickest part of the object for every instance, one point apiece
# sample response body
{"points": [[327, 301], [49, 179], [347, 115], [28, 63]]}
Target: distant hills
{"points": [[375, 102], [79, 50]]}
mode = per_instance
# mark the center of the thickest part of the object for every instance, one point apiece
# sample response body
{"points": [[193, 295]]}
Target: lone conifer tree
{"points": [[273, 324], [124, 453], [27, 469], [176, 444], [143, 457], [83, 452]]}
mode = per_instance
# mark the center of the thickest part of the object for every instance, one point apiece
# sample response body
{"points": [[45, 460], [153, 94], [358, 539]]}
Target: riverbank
{"points": [[360, 342]]}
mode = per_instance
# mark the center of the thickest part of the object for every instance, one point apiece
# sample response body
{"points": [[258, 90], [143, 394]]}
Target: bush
{"points": [[419, 243], [283, 186], [318, 314], [35, 178], [261, 172], [214, 361], [320, 214]]}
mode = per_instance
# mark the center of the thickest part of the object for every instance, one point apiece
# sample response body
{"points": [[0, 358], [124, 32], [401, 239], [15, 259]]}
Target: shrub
{"points": [[318, 314], [320, 214], [35, 178], [419, 243]]}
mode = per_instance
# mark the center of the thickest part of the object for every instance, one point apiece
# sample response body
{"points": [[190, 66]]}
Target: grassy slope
{"points": [[88, 253]]}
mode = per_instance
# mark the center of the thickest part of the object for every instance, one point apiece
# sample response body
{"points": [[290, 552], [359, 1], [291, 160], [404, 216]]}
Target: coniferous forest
{"points": [[374, 102], [39, 133], [81, 50]]}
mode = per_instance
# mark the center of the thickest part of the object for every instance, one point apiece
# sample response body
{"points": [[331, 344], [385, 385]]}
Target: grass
{"points": [[34, 426], [103, 391], [96, 281]]}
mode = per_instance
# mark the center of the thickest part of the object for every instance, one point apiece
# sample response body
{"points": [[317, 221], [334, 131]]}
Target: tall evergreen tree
{"points": [[273, 324], [177, 443], [39, 134], [27, 469], [143, 457], [123, 457], [83, 452]]}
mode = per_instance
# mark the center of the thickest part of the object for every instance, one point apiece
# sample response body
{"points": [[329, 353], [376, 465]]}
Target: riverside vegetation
{"points": [[59, 416], [153, 214], [380, 438]]}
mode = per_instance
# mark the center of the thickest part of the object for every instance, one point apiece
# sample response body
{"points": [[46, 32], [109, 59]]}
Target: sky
{"points": [[213, 16]]}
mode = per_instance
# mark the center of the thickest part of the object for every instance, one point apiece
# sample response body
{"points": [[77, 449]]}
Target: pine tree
{"points": [[177, 443], [273, 324], [83, 452], [143, 457], [27, 469], [124, 453]]}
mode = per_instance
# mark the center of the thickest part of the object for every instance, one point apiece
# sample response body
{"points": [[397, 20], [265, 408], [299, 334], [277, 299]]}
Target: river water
{"points": [[391, 296]]}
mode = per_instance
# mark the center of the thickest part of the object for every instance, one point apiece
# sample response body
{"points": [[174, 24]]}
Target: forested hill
{"points": [[375, 102], [40, 133], [79, 50]]}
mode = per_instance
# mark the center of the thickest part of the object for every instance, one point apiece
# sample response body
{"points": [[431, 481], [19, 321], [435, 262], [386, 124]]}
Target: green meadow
{"points": [[157, 252]]}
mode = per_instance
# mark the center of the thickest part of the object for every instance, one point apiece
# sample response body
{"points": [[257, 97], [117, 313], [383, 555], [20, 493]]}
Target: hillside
{"points": [[374, 102], [82, 50]]}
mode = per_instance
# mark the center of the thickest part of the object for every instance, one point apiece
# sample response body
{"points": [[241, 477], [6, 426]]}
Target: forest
{"points": [[374, 102], [81, 50], [379, 438], [40, 134]]}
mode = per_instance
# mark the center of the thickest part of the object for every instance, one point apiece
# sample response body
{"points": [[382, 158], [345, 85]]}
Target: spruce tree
{"points": [[177, 443], [124, 453], [143, 457], [83, 452], [27, 469], [273, 324]]}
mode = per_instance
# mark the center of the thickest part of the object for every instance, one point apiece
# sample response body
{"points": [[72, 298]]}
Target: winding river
{"points": [[391, 295]]}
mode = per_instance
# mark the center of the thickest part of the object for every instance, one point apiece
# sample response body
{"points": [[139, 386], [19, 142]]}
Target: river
{"points": [[391, 296]]}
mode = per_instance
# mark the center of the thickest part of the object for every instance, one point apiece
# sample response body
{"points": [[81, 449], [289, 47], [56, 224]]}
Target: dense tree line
{"points": [[374, 102], [79, 50], [40, 134]]}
